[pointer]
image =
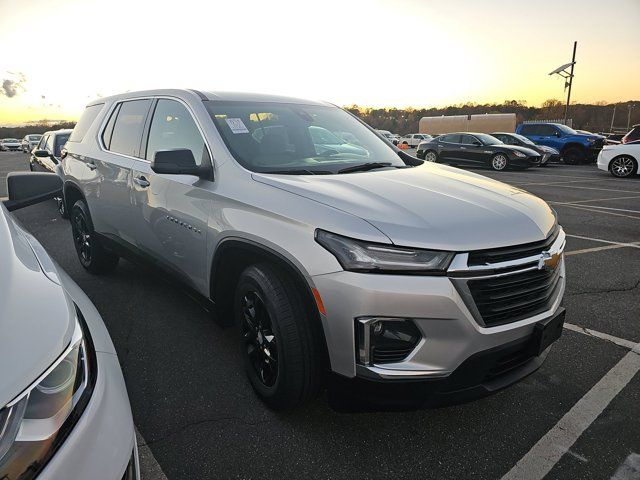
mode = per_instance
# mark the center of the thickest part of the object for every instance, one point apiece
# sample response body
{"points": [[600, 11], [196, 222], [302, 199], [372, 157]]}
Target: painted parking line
{"points": [[603, 336], [601, 240], [629, 470], [522, 184], [602, 199], [149, 467], [604, 208], [597, 188], [590, 209], [594, 249], [548, 451]]}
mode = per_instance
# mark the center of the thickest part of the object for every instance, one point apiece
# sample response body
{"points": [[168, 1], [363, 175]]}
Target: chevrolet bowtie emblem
{"points": [[548, 260]]}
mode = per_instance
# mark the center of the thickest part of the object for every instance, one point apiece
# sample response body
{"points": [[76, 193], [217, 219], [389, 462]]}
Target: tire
{"points": [[92, 255], [623, 166], [499, 162], [281, 354], [431, 156], [573, 156]]}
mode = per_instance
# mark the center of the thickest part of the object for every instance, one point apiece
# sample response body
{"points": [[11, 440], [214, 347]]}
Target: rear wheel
{"points": [[499, 162], [574, 156], [431, 156], [92, 255], [280, 352], [623, 166]]}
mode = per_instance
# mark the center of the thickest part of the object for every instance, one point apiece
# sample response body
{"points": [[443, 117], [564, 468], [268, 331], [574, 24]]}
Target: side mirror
{"points": [[41, 153], [557, 134], [175, 162], [29, 188]]}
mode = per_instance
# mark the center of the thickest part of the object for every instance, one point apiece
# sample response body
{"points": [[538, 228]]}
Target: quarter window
{"points": [[127, 130], [86, 120], [172, 128]]}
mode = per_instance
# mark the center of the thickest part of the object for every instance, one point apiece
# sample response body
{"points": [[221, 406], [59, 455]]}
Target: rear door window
{"points": [[451, 138], [128, 127], [86, 120], [528, 130], [546, 130]]}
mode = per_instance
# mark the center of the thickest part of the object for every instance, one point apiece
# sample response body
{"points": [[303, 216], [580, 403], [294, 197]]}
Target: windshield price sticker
{"points": [[237, 125]]}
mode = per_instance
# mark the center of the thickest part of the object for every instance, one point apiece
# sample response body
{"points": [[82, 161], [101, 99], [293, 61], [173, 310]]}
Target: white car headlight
{"points": [[37, 421], [359, 256]]}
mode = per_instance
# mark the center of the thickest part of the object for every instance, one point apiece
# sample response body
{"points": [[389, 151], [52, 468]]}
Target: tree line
{"points": [[592, 117], [20, 132]]}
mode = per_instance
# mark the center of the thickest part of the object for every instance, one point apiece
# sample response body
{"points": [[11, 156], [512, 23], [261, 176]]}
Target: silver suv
{"points": [[329, 248]]}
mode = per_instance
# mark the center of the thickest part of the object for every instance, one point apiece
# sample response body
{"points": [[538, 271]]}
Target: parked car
{"points": [[29, 142], [413, 139], [64, 409], [392, 137], [10, 144], [620, 160], [574, 147], [477, 149], [547, 154], [47, 155], [378, 268], [633, 135]]}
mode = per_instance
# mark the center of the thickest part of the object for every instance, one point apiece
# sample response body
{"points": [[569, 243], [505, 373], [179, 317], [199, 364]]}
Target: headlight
{"points": [[359, 256], [35, 423], [518, 153]]}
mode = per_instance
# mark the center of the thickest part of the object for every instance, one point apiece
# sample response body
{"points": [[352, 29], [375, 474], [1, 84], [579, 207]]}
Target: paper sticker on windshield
{"points": [[237, 125]]}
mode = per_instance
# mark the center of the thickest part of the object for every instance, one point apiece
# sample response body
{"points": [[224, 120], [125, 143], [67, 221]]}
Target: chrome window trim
{"points": [[115, 104]]}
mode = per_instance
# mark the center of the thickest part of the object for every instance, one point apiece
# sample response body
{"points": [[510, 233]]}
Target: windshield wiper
{"points": [[298, 171], [363, 167]]}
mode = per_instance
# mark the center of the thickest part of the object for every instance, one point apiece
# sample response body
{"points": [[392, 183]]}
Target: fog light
{"points": [[385, 340]]}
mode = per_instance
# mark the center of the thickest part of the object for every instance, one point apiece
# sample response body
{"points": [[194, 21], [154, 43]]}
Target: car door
{"points": [[471, 150], [449, 147], [107, 180], [531, 132], [172, 211], [550, 136]]}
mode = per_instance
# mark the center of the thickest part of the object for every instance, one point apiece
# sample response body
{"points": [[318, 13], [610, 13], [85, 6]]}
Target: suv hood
{"points": [[430, 206], [36, 317]]}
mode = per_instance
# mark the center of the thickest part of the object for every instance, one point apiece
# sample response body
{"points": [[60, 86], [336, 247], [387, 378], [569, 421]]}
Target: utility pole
{"points": [[568, 78], [570, 82], [629, 116], [613, 117]]}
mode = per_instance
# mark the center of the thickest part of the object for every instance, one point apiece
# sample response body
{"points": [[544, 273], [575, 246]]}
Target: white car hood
{"points": [[430, 206], [36, 316]]}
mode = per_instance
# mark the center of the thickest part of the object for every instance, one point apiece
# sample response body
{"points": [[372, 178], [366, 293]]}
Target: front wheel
{"points": [[280, 351], [623, 166], [92, 255], [499, 162], [431, 156], [573, 156]]}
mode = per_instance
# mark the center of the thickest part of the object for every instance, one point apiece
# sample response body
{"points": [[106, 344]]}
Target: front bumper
{"points": [[452, 327], [102, 444], [482, 374]]}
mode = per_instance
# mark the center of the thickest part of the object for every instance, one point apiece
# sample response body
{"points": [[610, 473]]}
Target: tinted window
{"points": [[127, 131], [43, 142], [450, 138], [634, 134], [86, 120], [468, 139], [528, 129], [546, 130], [59, 143], [173, 127]]}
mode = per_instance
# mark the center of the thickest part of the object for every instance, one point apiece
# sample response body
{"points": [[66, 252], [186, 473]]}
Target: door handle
{"points": [[91, 165], [463, 148], [141, 181]]}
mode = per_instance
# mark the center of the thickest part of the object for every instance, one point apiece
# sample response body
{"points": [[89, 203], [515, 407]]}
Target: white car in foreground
{"points": [[64, 409], [621, 160]]}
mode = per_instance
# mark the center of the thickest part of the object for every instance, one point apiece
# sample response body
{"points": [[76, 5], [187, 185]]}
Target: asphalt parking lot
{"points": [[575, 418]]}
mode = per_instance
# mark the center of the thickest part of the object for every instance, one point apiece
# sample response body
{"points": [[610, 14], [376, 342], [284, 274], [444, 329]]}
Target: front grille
{"points": [[504, 254], [509, 298]]}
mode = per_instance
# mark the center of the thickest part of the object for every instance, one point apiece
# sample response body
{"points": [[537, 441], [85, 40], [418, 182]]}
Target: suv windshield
{"points": [[297, 139], [33, 138]]}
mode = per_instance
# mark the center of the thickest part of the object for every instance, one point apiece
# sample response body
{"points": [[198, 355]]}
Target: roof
{"points": [[209, 95]]}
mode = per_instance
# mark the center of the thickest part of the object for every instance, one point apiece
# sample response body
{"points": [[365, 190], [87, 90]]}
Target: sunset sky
{"points": [[57, 55]]}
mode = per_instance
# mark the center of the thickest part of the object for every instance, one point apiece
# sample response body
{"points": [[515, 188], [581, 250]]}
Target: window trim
{"points": [[147, 125]]}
